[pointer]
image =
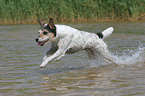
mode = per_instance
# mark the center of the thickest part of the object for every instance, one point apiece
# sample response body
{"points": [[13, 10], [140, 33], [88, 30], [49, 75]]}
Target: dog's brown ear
{"points": [[51, 24], [40, 22]]}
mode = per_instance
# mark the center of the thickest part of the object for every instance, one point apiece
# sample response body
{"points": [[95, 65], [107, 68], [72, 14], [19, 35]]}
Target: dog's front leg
{"points": [[46, 54], [62, 48], [51, 50], [50, 58]]}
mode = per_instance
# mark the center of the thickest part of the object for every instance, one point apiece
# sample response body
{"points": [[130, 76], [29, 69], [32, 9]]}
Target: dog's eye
{"points": [[44, 33]]}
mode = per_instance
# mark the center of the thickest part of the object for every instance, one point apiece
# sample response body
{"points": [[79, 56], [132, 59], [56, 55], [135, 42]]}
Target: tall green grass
{"points": [[27, 11]]}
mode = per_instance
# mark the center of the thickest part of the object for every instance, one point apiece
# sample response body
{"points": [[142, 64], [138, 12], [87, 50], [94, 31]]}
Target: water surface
{"points": [[73, 75]]}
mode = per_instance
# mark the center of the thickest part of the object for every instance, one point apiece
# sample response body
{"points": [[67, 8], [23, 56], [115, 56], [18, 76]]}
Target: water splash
{"points": [[133, 57], [128, 57]]}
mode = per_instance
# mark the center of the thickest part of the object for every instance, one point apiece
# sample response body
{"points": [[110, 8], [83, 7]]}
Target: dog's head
{"points": [[47, 32]]}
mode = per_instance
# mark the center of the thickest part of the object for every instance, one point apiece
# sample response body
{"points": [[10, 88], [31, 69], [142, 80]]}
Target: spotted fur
{"points": [[70, 40]]}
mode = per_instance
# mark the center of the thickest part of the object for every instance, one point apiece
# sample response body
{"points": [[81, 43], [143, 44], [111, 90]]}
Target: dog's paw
{"points": [[44, 63], [42, 66]]}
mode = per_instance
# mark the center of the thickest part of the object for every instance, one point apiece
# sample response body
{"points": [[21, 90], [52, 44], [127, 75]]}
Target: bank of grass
{"points": [[27, 11]]}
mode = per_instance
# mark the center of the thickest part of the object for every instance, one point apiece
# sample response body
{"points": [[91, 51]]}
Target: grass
{"points": [[28, 11]]}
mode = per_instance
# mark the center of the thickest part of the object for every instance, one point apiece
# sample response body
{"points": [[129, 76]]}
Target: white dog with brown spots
{"points": [[65, 39]]}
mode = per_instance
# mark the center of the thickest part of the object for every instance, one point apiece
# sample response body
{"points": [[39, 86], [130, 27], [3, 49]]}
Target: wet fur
{"points": [[70, 40]]}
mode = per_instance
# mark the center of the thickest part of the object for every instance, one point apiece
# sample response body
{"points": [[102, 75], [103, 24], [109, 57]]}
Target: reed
{"points": [[28, 11]]}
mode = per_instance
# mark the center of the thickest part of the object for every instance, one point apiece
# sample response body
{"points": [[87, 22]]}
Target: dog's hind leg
{"points": [[91, 53], [104, 52]]}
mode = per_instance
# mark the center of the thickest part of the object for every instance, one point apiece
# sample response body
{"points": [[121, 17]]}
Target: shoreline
{"points": [[74, 21]]}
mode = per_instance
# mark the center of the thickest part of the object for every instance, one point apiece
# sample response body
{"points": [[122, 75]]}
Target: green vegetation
{"points": [[28, 11]]}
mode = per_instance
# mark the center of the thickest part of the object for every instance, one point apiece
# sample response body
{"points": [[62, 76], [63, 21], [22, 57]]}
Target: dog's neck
{"points": [[61, 31]]}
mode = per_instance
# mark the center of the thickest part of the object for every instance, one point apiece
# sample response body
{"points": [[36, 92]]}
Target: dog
{"points": [[65, 39]]}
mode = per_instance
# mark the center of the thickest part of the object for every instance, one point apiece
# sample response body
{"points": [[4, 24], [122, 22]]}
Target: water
{"points": [[73, 75]]}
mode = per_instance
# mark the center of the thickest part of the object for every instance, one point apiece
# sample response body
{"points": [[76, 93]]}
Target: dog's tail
{"points": [[107, 32]]}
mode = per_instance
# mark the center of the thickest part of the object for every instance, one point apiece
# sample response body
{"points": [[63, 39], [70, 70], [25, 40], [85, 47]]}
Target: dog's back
{"points": [[65, 29]]}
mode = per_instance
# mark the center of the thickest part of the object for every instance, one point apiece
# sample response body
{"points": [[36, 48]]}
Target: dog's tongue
{"points": [[40, 44]]}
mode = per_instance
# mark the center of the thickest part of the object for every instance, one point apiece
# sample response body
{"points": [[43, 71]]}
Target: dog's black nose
{"points": [[36, 39]]}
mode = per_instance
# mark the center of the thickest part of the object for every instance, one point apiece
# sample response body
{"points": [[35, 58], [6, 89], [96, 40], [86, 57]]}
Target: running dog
{"points": [[65, 39]]}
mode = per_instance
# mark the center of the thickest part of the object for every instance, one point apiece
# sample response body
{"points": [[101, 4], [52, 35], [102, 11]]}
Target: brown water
{"points": [[72, 75]]}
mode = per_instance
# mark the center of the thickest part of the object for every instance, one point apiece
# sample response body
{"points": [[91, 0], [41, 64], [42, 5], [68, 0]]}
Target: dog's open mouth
{"points": [[41, 43]]}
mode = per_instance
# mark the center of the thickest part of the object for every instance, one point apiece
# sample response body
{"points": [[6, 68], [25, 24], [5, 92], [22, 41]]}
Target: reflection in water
{"points": [[72, 75]]}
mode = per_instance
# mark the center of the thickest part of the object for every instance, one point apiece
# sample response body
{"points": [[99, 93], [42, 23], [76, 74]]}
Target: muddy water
{"points": [[73, 75]]}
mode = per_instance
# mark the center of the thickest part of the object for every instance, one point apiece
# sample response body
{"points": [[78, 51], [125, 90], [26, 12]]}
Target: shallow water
{"points": [[73, 75]]}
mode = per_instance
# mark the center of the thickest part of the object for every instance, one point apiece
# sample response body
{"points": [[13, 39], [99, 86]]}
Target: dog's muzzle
{"points": [[41, 43]]}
